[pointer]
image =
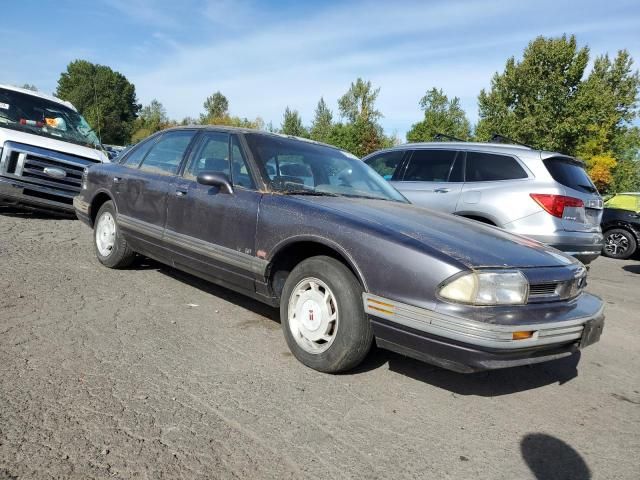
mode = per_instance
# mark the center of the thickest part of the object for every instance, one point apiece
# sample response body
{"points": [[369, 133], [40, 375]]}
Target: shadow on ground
{"points": [[632, 268], [36, 214], [550, 458]]}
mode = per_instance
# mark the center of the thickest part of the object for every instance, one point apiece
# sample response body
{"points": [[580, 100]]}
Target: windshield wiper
{"points": [[313, 193], [588, 188]]}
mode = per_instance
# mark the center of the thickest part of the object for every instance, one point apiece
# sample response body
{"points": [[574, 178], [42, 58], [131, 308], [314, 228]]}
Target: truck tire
{"points": [[322, 316], [112, 249]]}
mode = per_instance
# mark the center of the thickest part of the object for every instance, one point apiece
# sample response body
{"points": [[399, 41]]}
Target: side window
{"points": [[212, 154], [240, 171], [386, 163], [137, 153], [430, 166], [487, 167], [166, 154]]}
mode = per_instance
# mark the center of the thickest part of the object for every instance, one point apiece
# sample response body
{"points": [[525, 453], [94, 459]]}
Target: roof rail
{"points": [[443, 136], [497, 138]]}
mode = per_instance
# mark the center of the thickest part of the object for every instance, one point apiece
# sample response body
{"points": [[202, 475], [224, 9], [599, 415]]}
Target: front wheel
{"points": [[112, 250], [323, 317], [619, 243]]}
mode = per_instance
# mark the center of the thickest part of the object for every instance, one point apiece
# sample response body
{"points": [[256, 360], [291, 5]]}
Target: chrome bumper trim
{"points": [[473, 332]]}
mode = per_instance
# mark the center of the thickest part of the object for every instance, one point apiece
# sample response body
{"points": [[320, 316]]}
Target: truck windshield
{"points": [[297, 167], [33, 114]]}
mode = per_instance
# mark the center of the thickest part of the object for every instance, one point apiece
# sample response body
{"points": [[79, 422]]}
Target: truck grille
{"points": [[46, 171]]}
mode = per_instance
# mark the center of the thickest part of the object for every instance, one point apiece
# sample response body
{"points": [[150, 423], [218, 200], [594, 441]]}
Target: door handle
{"points": [[181, 193], [441, 190]]}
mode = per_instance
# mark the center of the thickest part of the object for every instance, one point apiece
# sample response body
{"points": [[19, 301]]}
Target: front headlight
{"points": [[503, 287]]}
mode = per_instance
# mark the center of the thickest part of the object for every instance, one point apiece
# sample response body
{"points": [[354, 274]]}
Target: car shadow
{"points": [[485, 384], [33, 213], [632, 269], [491, 383], [550, 458]]}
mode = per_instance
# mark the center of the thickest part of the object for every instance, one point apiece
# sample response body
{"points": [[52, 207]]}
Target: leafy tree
{"points": [[216, 106], [441, 115], [152, 118], [547, 101], [359, 102], [322, 122], [104, 97], [292, 124], [30, 86]]}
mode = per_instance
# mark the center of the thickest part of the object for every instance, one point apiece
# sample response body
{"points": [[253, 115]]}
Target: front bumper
{"points": [[24, 193], [467, 346]]}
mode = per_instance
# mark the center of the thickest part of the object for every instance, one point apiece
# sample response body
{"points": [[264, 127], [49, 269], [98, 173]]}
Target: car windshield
{"points": [[33, 114], [299, 167]]}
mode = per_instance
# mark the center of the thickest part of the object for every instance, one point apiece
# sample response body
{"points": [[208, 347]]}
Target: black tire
{"points": [[121, 255], [354, 334], [619, 236]]}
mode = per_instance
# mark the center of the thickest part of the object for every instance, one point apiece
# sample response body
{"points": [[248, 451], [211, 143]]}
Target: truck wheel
{"points": [[111, 249], [619, 243], [323, 317]]}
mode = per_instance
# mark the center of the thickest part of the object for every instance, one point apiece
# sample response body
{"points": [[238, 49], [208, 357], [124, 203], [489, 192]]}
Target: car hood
{"points": [[471, 243]]}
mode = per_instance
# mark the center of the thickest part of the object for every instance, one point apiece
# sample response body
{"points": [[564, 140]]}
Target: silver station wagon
{"points": [[543, 195]]}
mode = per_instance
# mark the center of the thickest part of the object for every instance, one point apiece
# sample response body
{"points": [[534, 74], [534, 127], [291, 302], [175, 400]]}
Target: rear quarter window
{"points": [[570, 173]]}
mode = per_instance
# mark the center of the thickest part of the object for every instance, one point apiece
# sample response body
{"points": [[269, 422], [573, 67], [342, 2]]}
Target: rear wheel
{"points": [[112, 250], [619, 243], [323, 317]]}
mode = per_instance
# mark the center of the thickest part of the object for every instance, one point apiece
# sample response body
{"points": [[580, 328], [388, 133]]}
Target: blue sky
{"points": [[266, 55]]}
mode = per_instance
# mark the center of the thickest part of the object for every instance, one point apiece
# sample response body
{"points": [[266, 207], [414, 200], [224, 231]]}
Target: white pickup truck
{"points": [[45, 145]]}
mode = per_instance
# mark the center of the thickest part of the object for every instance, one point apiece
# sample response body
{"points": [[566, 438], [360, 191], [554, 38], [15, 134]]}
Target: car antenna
{"points": [[443, 136], [497, 138]]}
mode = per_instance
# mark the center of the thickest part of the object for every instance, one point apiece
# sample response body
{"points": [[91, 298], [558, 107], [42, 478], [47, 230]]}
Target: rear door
{"points": [[141, 195], [433, 178], [576, 183]]}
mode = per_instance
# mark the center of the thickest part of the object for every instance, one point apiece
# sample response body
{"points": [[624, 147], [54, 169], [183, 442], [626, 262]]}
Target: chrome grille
{"points": [[60, 173]]}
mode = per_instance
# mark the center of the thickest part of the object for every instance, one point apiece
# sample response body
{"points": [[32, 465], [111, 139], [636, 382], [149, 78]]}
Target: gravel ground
{"points": [[151, 373]]}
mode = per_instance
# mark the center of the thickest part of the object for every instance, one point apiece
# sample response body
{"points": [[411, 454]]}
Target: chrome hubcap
{"points": [[106, 234], [617, 244], [313, 315]]}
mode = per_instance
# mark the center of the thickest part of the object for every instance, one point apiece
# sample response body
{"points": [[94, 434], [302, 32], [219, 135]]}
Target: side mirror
{"points": [[215, 179]]}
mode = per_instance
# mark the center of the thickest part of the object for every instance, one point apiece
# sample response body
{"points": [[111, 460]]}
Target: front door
{"points": [[210, 231], [433, 179]]}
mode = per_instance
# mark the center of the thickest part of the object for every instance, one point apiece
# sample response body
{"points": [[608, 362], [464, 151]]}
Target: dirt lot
{"points": [[150, 373]]}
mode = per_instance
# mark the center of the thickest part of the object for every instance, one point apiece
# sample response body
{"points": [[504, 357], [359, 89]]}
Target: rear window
{"points": [[570, 173]]}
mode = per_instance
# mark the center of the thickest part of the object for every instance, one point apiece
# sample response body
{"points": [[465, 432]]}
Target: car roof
{"points": [[245, 130], [484, 146], [34, 93]]}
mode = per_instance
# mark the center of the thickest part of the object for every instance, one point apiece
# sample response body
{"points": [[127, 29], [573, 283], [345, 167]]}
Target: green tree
{"points": [[152, 118], [441, 115], [292, 124], [104, 97], [359, 102], [322, 122], [216, 106], [30, 86]]}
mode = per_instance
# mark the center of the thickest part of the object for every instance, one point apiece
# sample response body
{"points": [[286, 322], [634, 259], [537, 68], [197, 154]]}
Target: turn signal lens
{"points": [[522, 335]]}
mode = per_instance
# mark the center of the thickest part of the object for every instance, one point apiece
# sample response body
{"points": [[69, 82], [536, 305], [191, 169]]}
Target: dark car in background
{"points": [[621, 225], [311, 229]]}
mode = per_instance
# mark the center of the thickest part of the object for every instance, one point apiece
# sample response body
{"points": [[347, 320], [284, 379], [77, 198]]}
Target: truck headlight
{"points": [[503, 287]]}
